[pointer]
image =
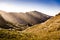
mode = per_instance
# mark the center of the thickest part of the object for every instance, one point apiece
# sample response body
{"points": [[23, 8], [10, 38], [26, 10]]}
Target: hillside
{"points": [[49, 23], [49, 30]]}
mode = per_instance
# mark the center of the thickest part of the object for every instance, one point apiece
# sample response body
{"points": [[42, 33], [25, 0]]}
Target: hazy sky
{"points": [[50, 7]]}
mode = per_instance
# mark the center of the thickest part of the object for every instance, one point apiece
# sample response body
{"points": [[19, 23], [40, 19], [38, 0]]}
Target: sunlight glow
{"points": [[14, 8]]}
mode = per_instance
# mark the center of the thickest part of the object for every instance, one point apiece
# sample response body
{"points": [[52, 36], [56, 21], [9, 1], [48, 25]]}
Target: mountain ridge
{"points": [[33, 17]]}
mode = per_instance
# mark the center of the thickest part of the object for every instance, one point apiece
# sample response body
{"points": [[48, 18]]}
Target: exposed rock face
{"points": [[28, 18]]}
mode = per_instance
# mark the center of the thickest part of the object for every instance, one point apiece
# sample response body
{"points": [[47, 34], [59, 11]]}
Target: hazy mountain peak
{"points": [[34, 11]]}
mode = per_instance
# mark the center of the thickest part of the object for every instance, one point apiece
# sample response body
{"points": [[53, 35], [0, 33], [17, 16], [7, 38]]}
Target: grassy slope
{"points": [[50, 30], [14, 35]]}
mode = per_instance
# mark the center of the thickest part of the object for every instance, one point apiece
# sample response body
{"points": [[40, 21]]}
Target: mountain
{"points": [[49, 30], [21, 20], [28, 18]]}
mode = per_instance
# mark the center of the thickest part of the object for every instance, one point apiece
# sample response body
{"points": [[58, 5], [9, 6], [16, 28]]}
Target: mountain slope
{"points": [[21, 21], [28, 18], [49, 23]]}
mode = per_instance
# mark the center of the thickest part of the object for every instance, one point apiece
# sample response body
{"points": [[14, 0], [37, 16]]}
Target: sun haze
{"points": [[50, 7]]}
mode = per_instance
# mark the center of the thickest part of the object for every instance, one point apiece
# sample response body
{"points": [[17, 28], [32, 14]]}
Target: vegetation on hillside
{"points": [[15, 35]]}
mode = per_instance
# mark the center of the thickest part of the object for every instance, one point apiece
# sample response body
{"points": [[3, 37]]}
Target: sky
{"points": [[49, 7]]}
